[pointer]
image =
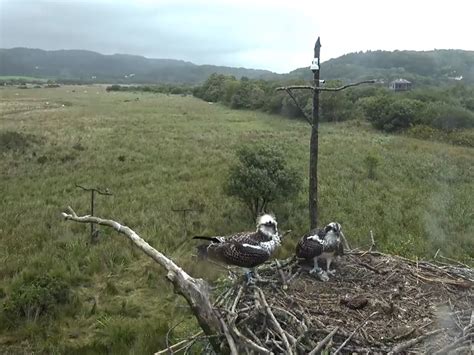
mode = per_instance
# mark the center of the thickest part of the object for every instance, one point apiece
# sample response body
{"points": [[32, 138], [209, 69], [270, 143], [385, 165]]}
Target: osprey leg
{"points": [[328, 267], [320, 273]]}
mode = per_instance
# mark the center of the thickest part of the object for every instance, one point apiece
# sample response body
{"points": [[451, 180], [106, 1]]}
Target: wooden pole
{"points": [[314, 144], [94, 232]]}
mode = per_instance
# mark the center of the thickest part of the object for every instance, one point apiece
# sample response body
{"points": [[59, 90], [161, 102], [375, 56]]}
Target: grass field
{"points": [[163, 152]]}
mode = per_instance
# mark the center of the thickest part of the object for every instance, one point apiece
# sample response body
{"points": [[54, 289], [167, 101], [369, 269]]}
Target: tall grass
{"points": [[163, 152]]}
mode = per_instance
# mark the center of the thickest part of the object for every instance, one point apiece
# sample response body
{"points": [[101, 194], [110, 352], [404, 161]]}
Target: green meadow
{"points": [[160, 153]]}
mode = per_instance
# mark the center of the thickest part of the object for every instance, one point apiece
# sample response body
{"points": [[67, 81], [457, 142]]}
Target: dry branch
{"points": [[195, 291], [404, 346], [323, 342]]}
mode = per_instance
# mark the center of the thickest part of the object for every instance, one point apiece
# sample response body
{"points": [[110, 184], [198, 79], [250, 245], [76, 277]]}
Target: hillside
{"points": [[118, 68], [160, 153], [422, 67]]}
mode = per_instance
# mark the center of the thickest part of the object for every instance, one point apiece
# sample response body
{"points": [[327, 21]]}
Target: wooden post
{"points": [[185, 212], [314, 122], [314, 143], [94, 232]]}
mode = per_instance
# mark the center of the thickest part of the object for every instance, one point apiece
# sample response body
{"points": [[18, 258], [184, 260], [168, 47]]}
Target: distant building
{"points": [[400, 85]]}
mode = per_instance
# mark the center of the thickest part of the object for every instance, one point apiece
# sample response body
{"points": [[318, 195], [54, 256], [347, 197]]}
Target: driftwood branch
{"points": [[195, 291]]}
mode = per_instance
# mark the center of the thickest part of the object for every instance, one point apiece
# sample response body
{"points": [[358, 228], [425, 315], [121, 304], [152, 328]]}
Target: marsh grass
{"points": [[165, 152]]}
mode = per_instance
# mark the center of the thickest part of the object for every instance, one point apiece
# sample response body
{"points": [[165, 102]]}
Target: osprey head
{"points": [[267, 224], [333, 228]]}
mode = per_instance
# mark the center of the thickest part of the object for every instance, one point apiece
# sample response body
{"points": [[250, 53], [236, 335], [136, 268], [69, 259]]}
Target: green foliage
{"points": [[448, 116], [260, 177], [389, 114], [35, 296]]}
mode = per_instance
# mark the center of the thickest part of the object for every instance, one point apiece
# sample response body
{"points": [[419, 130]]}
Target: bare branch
{"points": [[299, 106], [195, 291], [298, 87], [274, 322], [402, 347], [323, 342], [346, 86], [355, 331]]}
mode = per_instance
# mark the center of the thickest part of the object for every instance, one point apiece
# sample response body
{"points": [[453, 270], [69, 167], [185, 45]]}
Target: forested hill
{"points": [[428, 67], [423, 68], [118, 68]]}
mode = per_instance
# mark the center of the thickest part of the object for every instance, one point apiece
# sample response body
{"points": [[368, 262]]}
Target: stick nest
{"points": [[376, 303]]}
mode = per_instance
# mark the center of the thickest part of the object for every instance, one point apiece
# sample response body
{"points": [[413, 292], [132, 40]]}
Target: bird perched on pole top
{"points": [[245, 249], [322, 244]]}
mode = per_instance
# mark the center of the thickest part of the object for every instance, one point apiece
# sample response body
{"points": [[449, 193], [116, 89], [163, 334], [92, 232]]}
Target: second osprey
{"points": [[246, 249], [321, 244]]}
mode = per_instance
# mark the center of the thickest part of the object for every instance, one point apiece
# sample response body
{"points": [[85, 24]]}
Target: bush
{"points": [[36, 296], [260, 177], [114, 87], [390, 115], [447, 116]]}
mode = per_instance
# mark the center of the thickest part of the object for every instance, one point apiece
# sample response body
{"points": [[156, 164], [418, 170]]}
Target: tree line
{"points": [[438, 111]]}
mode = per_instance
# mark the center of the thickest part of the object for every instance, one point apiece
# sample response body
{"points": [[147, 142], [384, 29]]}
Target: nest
{"points": [[376, 303]]}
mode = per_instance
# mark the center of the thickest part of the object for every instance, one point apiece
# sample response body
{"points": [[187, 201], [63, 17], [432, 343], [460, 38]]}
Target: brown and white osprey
{"points": [[322, 244], [245, 249]]}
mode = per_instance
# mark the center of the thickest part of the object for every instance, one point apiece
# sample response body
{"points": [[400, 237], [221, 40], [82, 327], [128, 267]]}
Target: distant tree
{"points": [[261, 176], [389, 114]]}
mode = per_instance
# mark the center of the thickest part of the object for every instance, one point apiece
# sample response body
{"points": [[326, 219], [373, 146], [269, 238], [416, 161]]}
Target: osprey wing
{"points": [[243, 255], [252, 238], [309, 247]]}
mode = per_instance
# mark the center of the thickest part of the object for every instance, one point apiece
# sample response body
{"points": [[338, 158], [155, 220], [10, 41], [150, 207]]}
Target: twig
{"points": [[237, 298], [174, 346], [355, 330], [403, 346], [453, 345], [275, 322], [168, 335], [250, 343], [372, 246], [323, 342], [230, 340]]}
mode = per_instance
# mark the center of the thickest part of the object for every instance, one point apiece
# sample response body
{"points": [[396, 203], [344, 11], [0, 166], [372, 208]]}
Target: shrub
{"points": [[448, 117], [114, 87], [35, 296], [261, 176], [388, 114]]}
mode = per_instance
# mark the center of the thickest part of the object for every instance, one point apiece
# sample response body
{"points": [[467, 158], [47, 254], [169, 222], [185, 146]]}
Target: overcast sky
{"points": [[266, 34]]}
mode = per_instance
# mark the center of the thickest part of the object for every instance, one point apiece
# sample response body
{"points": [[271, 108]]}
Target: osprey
{"points": [[321, 244], [246, 249]]}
